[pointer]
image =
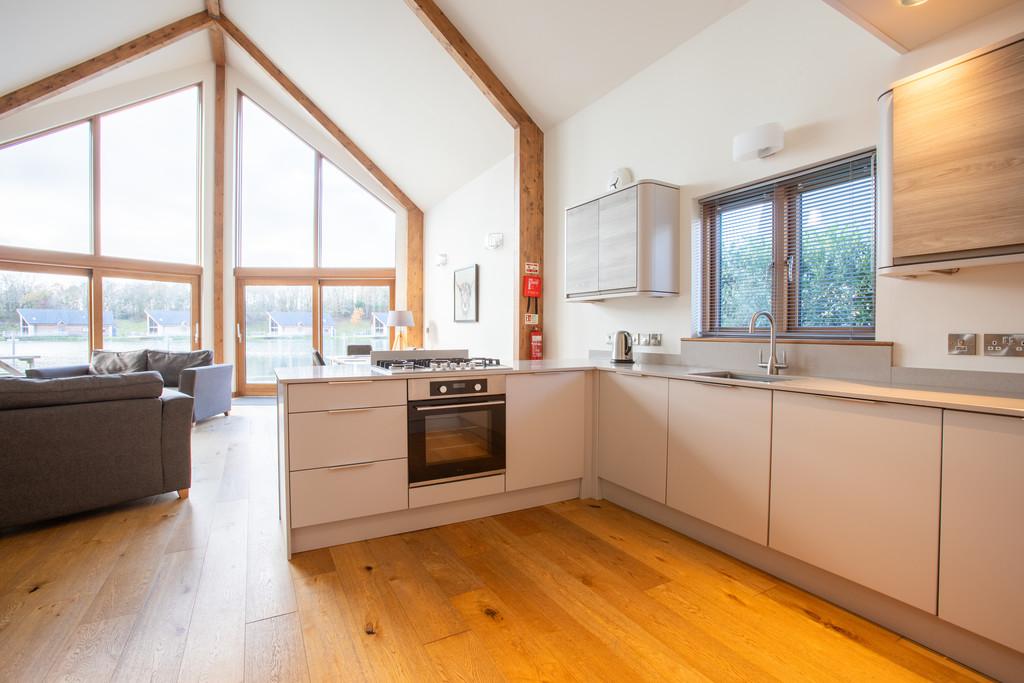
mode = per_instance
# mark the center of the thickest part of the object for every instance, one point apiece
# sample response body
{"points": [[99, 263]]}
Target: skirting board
{"points": [[991, 659], [401, 521]]}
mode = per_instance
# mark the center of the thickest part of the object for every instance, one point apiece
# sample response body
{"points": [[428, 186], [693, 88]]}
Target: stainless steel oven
{"points": [[456, 429]]}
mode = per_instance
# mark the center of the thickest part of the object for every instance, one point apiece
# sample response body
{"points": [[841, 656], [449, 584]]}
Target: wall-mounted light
{"points": [[442, 259], [758, 143], [495, 240]]}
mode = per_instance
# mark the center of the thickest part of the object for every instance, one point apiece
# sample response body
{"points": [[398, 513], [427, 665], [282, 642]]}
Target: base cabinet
{"points": [[980, 565], [855, 491], [719, 455], [545, 420], [633, 432]]}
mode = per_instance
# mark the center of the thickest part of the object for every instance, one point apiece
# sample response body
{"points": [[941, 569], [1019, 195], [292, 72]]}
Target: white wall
{"points": [[797, 62], [458, 226]]}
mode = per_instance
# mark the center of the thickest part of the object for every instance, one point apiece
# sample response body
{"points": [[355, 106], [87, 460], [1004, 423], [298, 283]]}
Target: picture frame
{"points": [[466, 294]]}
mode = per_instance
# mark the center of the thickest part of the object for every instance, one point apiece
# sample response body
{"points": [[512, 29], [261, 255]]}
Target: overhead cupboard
{"points": [[949, 171], [624, 243]]}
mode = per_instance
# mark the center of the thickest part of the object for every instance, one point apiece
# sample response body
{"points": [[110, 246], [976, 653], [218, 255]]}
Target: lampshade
{"points": [[758, 143], [400, 319]]}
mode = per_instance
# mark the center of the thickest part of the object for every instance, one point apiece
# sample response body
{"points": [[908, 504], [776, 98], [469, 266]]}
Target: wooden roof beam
{"points": [[456, 45], [122, 54]]}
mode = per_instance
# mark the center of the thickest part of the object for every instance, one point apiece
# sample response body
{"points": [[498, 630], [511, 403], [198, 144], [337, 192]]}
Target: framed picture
{"points": [[467, 305]]}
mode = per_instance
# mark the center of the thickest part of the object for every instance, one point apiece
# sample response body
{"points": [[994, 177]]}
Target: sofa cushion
{"points": [[17, 392], [117, 362], [170, 365]]}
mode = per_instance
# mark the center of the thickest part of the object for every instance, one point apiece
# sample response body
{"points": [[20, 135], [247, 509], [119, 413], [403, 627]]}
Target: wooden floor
{"points": [[164, 589]]}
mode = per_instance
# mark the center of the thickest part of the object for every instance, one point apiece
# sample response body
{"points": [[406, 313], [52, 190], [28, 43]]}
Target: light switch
{"points": [[962, 344]]}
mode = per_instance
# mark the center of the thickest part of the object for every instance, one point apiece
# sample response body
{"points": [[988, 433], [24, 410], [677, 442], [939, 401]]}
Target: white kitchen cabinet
{"points": [[855, 491], [331, 494], [545, 425], [625, 243], [633, 432], [982, 544], [617, 237], [581, 249], [719, 455]]}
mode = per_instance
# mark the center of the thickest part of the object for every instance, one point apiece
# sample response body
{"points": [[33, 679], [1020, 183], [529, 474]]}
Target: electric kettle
{"points": [[622, 347]]}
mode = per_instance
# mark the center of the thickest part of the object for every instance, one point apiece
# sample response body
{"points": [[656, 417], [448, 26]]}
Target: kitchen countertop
{"points": [[936, 397]]}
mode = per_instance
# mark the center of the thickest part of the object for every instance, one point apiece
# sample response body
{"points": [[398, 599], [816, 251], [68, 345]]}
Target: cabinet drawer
{"points": [[342, 437], [304, 398], [331, 494]]}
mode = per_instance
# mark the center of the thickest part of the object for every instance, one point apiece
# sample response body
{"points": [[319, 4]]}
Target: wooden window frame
{"points": [[784, 307], [246, 388], [95, 265], [316, 276]]}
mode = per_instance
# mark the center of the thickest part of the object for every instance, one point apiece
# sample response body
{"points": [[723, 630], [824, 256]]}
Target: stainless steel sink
{"points": [[726, 374]]}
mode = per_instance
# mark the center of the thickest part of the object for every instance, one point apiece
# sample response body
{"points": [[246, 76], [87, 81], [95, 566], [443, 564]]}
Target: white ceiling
{"points": [[41, 38], [559, 56], [907, 28]]}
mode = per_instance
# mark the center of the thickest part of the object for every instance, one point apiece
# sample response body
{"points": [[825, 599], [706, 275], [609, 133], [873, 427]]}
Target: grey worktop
{"points": [[954, 399]]}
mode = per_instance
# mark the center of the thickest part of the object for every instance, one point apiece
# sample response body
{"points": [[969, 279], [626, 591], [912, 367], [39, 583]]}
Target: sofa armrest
{"points": [[55, 373], [210, 386], [176, 439]]}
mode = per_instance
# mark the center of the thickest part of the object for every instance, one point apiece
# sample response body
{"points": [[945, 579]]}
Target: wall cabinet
{"points": [[545, 420], [982, 514], [719, 455], [954, 139], [625, 243], [633, 432], [855, 491]]}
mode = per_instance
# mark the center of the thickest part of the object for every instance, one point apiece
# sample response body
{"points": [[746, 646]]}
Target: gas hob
{"points": [[422, 362]]}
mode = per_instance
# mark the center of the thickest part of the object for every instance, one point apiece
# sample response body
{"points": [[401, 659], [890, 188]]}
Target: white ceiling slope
{"points": [[42, 37], [558, 56], [379, 74], [908, 28]]}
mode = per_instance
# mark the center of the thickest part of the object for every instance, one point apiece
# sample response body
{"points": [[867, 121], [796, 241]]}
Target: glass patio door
{"points": [[275, 329], [355, 316]]}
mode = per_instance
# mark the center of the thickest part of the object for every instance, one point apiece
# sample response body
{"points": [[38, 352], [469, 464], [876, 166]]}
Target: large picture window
{"points": [[802, 247], [315, 253], [106, 211]]}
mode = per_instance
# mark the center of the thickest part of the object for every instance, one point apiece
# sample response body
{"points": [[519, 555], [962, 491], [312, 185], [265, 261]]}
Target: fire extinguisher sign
{"points": [[531, 319], [532, 268]]}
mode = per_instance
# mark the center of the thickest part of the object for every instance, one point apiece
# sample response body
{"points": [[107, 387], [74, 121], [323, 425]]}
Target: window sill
{"points": [[760, 339]]}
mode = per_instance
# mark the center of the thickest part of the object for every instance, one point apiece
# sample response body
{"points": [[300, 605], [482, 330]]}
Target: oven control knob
{"points": [[443, 389], [477, 387]]}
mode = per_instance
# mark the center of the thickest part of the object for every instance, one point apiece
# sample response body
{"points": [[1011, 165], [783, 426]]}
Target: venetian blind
{"points": [[801, 246]]}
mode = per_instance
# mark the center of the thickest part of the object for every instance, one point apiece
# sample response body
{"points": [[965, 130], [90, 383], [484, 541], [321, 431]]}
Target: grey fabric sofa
{"points": [[78, 443], [191, 372]]}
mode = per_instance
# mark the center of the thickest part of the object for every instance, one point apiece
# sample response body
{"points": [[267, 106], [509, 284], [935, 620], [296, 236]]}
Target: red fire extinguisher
{"points": [[536, 345]]}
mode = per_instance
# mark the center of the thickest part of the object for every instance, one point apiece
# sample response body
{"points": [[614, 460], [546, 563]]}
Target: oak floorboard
{"points": [[93, 650], [461, 657], [215, 647], [333, 651], [274, 652]]}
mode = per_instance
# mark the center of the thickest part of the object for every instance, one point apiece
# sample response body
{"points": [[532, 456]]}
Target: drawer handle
{"points": [[851, 400], [349, 467], [348, 410], [717, 384], [452, 406], [628, 374], [357, 381]]}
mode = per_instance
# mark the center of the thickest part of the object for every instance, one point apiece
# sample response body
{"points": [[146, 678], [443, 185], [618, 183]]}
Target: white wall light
{"points": [[442, 259], [758, 143], [495, 240]]}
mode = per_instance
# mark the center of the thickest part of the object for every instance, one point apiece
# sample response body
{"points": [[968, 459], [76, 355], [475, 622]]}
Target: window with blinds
{"points": [[801, 246]]}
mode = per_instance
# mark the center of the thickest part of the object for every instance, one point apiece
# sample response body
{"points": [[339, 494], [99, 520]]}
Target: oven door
{"points": [[456, 438]]}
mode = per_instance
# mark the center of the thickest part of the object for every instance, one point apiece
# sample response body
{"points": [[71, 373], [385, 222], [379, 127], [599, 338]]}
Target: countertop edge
{"points": [[839, 388]]}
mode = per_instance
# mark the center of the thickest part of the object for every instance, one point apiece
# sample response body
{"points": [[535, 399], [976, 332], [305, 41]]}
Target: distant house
{"points": [[296, 323], [380, 323], [43, 322], [159, 323]]}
